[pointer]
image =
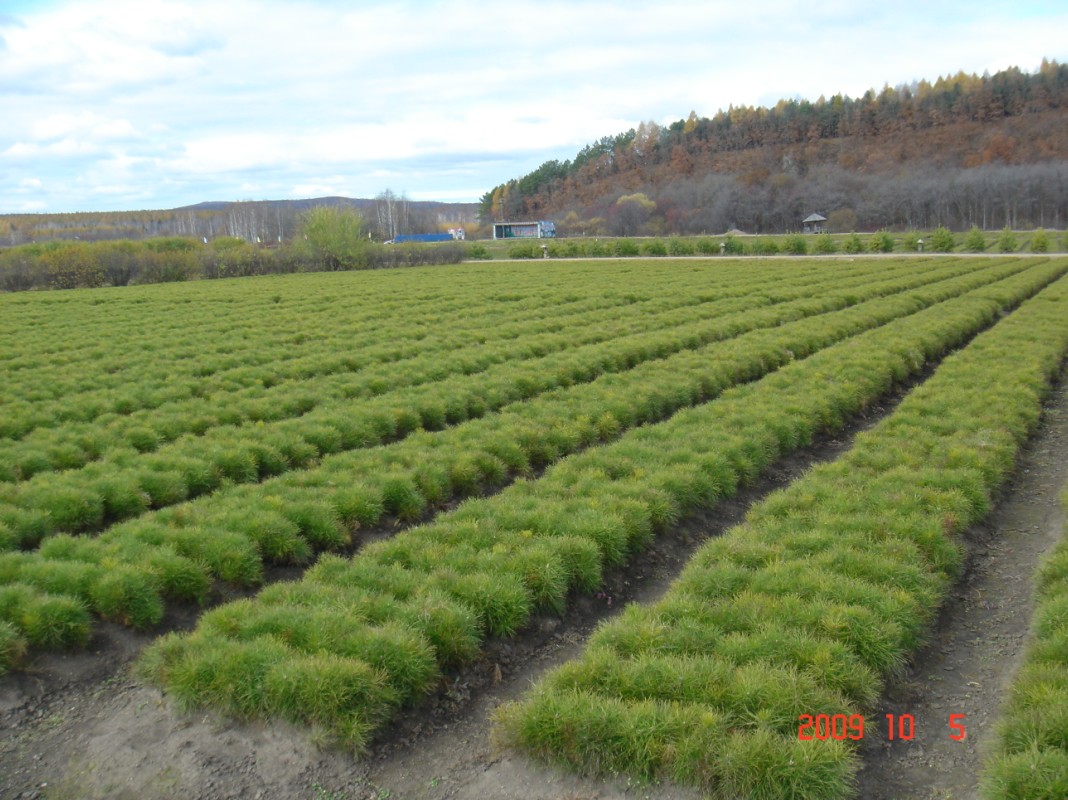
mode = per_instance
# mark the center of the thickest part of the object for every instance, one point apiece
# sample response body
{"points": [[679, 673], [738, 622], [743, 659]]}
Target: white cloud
{"points": [[85, 124], [177, 101]]}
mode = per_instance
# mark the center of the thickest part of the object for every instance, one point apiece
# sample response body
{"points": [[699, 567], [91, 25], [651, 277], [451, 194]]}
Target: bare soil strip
{"points": [[975, 647]]}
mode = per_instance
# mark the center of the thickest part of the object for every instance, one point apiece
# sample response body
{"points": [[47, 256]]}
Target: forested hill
{"points": [[988, 150]]}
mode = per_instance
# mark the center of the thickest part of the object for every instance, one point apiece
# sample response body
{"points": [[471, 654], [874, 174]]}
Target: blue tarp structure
{"points": [[422, 237]]}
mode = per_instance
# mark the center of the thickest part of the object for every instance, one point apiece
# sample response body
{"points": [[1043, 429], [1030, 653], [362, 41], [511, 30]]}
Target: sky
{"points": [[154, 104]]}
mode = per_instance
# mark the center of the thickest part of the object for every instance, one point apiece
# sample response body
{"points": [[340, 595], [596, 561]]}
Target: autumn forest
{"points": [[965, 150]]}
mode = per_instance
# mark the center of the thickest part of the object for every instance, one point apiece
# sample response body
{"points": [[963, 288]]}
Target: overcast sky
{"points": [[143, 104]]}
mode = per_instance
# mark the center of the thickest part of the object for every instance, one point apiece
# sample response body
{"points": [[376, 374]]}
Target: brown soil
{"points": [[78, 726]]}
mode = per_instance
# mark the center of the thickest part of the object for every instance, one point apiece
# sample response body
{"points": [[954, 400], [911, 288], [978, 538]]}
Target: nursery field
{"points": [[343, 509]]}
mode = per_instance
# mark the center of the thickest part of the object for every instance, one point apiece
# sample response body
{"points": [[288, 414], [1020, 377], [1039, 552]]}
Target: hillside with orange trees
{"points": [[965, 150]]}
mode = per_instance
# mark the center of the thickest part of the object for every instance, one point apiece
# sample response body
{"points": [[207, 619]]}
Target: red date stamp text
{"points": [[821, 727]]}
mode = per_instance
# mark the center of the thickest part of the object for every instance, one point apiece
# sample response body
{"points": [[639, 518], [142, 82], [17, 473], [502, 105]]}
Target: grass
{"points": [[422, 468], [13, 647], [821, 594], [501, 559], [42, 620], [251, 453]]}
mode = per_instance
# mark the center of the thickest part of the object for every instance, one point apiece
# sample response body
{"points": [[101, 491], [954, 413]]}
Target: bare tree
{"points": [[391, 214]]}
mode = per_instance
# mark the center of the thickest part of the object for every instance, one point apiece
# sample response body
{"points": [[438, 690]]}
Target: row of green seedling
{"points": [[348, 376], [428, 469], [270, 362], [229, 536], [374, 632], [422, 316], [118, 488], [1030, 758], [673, 377], [256, 351], [813, 602]]}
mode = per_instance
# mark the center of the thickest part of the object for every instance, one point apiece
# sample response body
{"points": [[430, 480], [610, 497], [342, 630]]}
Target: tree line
{"points": [[266, 222], [325, 238], [964, 150]]}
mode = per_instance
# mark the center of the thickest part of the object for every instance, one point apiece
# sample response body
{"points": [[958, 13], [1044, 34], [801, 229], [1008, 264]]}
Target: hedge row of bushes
{"points": [[941, 240], [71, 265]]}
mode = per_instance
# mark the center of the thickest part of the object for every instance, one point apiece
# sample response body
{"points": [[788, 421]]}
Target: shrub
{"points": [[268, 459], [401, 497], [707, 247], [319, 524], [433, 482], [58, 577], [123, 497], [1039, 242], [680, 247], [1007, 242], [345, 695], [478, 252], [9, 540], [853, 244], [524, 250], [142, 439], [325, 438], [333, 237], [732, 247], [165, 487], [70, 507], [47, 621], [765, 247], [231, 557], [67, 456], [975, 241], [911, 241], [500, 599], [795, 245], [359, 506], [12, 646], [449, 625], [626, 247], [236, 463], [277, 537], [654, 247], [218, 672], [128, 596], [178, 577], [28, 527], [32, 463], [942, 240], [881, 242], [824, 245]]}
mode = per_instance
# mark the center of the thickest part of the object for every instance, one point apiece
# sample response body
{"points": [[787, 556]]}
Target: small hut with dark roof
{"points": [[814, 223]]}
